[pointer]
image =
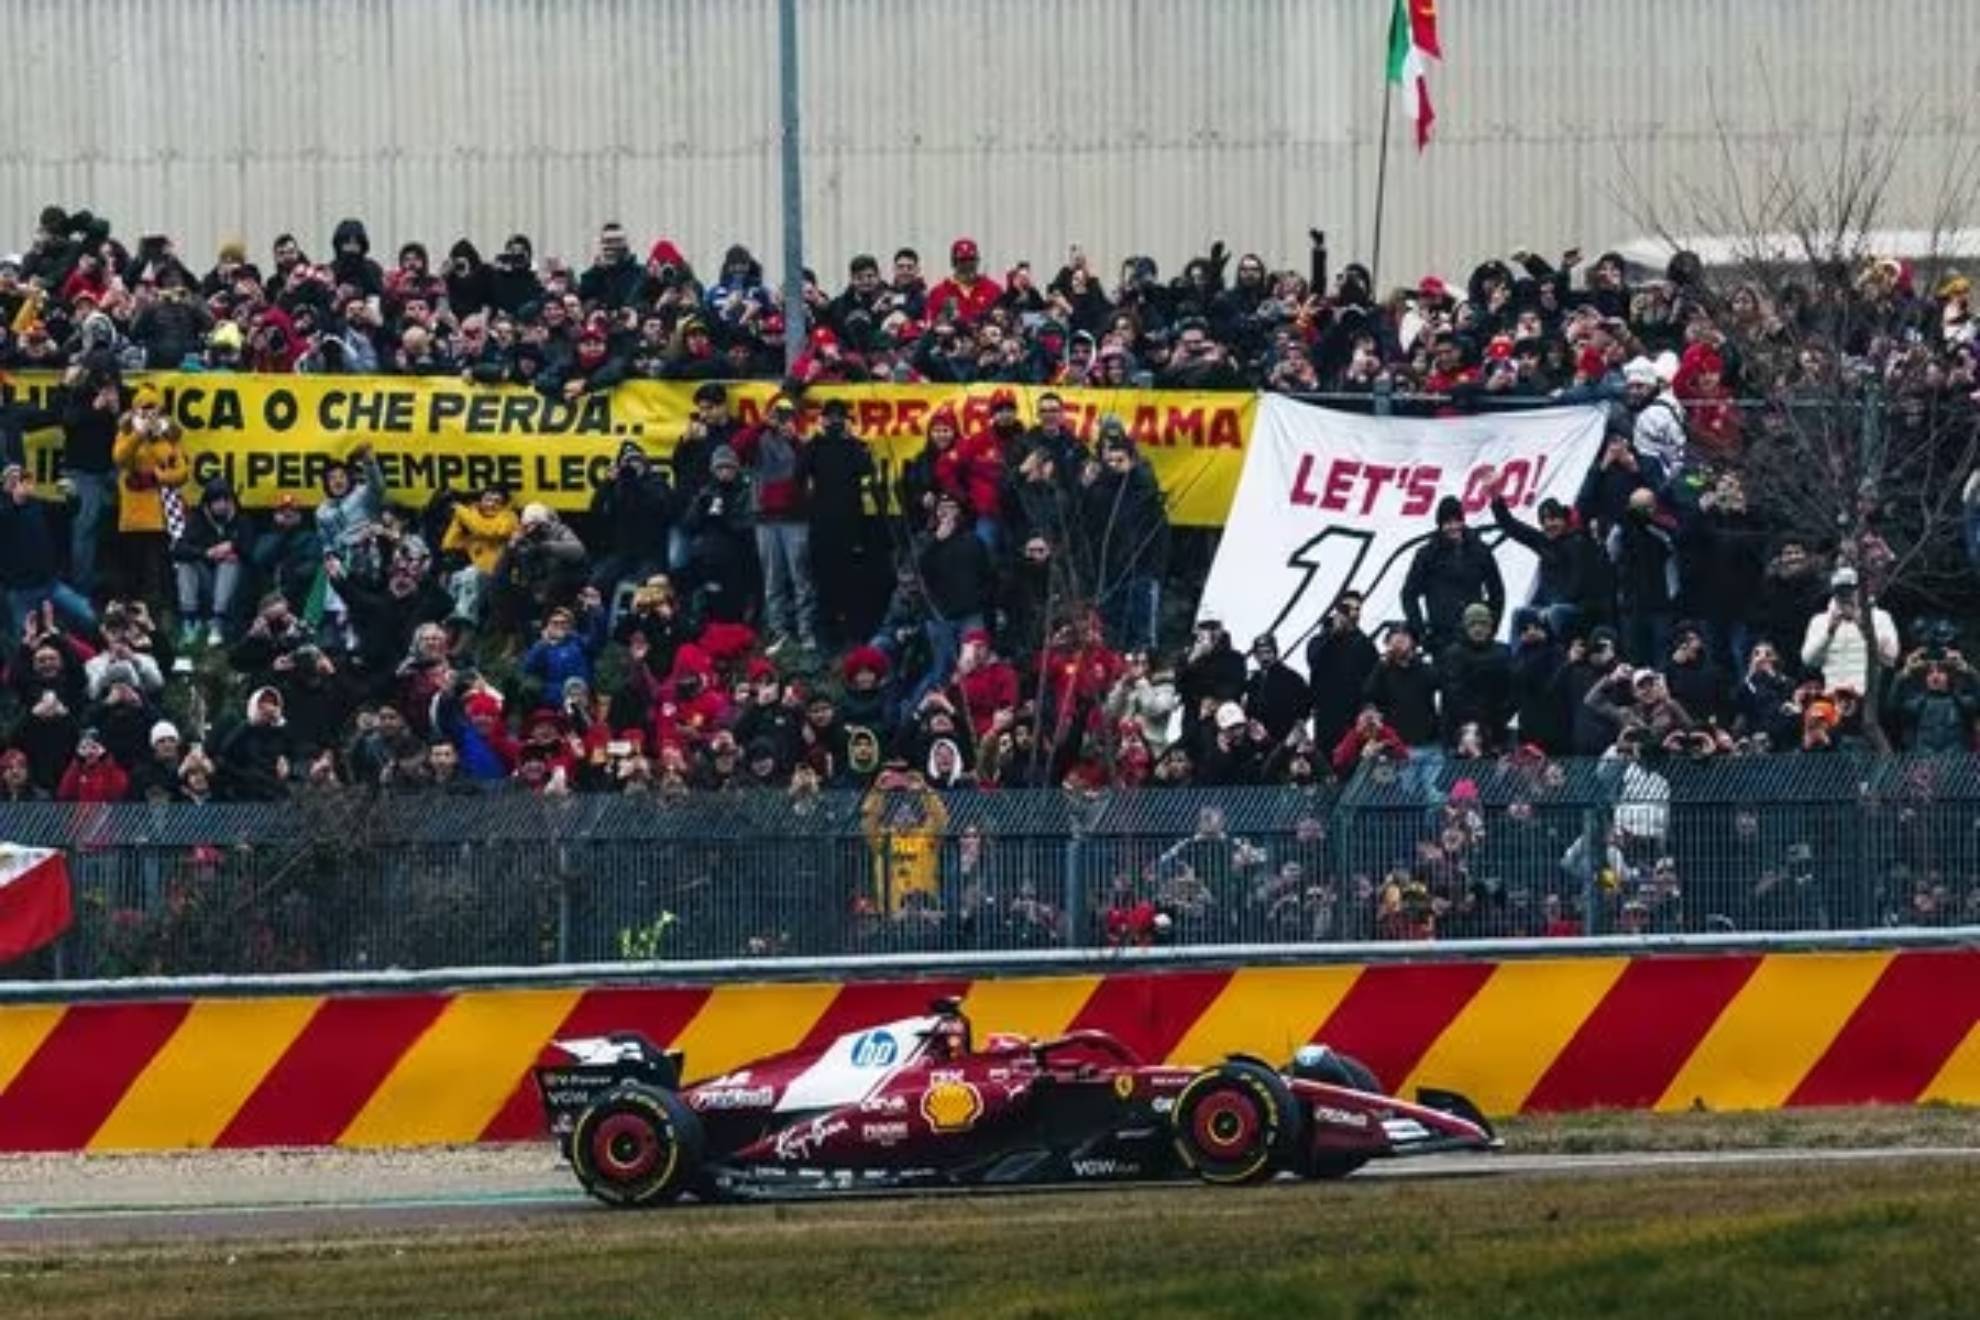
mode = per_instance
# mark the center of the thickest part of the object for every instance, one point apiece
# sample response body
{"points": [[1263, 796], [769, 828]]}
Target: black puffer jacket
{"points": [[1444, 577]]}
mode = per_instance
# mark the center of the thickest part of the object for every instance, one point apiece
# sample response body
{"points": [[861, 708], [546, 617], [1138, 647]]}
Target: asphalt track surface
{"points": [[54, 1202]]}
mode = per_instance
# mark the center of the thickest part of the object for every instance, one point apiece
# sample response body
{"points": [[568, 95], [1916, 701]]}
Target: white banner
{"points": [[1332, 501]]}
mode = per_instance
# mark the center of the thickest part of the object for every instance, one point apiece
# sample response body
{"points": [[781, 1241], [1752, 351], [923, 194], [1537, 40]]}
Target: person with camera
{"points": [[1339, 659], [614, 278], [1937, 697], [512, 281], [957, 578], [1834, 641], [153, 471], [719, 532], [468, 281], [1639, 699], [633, 512], [1198, 362]]}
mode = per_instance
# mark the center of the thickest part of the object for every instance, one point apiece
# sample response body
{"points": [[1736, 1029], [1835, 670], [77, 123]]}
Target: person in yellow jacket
{"points": [[482, 531], [152, 471], [904, 821]]}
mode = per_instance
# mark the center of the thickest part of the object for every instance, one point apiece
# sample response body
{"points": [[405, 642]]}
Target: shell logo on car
{"points": [[951, 1106]]}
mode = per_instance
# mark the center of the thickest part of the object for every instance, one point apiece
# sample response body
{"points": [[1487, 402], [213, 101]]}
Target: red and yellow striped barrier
{"points": [[1723, 1031]]}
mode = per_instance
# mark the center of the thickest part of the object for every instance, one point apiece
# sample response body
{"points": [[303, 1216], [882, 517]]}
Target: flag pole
{"points": [[1382, 172]]}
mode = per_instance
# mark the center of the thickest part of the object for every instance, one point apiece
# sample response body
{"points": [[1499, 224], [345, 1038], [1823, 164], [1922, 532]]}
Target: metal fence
{"points": [[1474, 850]]}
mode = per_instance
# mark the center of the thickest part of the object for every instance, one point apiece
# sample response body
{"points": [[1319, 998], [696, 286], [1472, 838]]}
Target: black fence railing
{"points": [[346, 881]]}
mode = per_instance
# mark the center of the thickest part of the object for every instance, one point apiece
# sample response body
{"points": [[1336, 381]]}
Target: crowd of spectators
{"points": [[768, 609]]}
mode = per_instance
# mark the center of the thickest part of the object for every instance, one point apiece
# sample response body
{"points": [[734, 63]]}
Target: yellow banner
{"points": [[273, 435]]}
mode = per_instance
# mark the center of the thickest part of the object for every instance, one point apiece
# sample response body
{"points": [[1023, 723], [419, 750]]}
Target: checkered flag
{"points": [[175, 512]]}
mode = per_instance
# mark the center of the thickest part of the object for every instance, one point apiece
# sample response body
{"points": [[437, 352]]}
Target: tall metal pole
{"points": [[1381, 191], [787, 86]]}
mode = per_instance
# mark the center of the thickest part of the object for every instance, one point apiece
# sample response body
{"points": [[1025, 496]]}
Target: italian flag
{"points": [[1412, 45], [34, 899]]}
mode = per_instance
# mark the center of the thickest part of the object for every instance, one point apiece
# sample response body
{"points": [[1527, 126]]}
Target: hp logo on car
{"points": [[874, 1049]]}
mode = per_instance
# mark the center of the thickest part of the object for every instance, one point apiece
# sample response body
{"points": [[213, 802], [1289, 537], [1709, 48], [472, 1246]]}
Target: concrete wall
{"points": [[1724, 1030]]}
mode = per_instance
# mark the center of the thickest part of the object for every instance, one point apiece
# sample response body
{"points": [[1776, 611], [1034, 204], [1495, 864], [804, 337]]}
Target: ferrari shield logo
{"points": [[951, 1106], [1124, 1085]]}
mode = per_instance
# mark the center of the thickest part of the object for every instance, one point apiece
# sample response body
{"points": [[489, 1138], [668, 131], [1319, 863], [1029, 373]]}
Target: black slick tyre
{"points": [[1236, 1123], [637, 1146]]}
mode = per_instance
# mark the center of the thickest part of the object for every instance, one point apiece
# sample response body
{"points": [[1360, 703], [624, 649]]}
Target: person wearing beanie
{"points": [[209, 564], [230, 267], [1575, 587], [152, 473], [156, 776], [1452, 570], [1476, 672], [719, 527], [632, 515]]}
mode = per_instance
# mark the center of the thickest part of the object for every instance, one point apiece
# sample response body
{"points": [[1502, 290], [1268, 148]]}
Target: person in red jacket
{"points": [[689, 705], [972, 470], [984, 683], [94, 775], [1366, 739], [966, 295]]}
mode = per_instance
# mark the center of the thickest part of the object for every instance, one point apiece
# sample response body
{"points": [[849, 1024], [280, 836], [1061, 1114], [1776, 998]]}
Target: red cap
{"points": [[868, 658], [1003, 399], [1500, 349], [1432, 287], [759, 668], [977, 636], [963, 249]]}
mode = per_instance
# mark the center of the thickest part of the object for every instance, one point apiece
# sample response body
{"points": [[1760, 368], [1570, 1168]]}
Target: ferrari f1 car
{"points": [[916, 1103]]}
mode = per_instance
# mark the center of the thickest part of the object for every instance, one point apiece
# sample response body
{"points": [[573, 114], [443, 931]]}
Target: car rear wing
{"points": [[595, 1065]]}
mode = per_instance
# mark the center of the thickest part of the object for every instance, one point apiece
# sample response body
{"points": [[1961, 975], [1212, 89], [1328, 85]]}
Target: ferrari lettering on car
{"points": [[916, 1103]]}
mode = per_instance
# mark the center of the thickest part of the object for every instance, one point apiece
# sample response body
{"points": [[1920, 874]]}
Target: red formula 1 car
{"points": [[914, 1103]]}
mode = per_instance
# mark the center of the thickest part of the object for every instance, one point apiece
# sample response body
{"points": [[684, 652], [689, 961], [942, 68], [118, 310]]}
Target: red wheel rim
{"points": [[1225, 1124], [624, 1147]]}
